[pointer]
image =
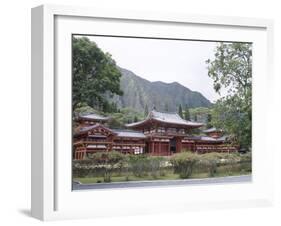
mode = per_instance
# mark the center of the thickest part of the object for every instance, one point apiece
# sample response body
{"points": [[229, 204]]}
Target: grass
{"points": [[91, 180], [168, 176]]}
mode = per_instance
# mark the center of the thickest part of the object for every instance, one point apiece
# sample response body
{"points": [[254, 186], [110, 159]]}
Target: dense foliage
{"points": [[200, 114], [186, 113], [184, 163], [107, 166], [124, 116], [211, 161], [180, 111], [95, 75], [141, 165], [231, 71]]}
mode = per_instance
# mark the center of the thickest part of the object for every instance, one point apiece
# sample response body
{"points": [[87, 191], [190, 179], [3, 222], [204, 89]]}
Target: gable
{"points": [[97, 129]]}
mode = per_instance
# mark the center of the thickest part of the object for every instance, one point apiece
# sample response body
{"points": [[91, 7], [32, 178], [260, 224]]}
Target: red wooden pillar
{"points": [[169, 147], [84, 148], [157, 147]]}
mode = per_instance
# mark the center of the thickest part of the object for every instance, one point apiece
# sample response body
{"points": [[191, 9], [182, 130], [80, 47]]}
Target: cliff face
{"points": [[139, 92]]}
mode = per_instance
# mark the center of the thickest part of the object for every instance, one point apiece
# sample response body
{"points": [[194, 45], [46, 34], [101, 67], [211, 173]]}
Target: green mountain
{"points": [[163, 96]]}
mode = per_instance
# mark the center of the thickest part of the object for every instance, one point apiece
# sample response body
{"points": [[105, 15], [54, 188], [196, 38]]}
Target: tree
{"points": [[107, 162], [146, 111], [210, 162], [136, 119], [195, 117], [186, 113], [183, 163], [209, 120], [116, 121], [141, 165], [180, 111], [231, 70], [95, 74]]}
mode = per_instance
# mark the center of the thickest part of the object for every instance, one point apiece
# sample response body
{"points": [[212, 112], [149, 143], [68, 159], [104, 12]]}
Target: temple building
{"points": [[160, 134], [166, 133]]}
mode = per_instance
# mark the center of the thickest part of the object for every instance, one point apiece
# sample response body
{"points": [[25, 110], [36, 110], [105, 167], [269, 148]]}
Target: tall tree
{"points": [[95, 74], [180, 111], [209, 120], [146, 110], [231, 70], [136, 119], [186, 113]]}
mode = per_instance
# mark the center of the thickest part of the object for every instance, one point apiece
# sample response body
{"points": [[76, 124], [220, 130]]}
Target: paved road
{"points": [[137, 184]]}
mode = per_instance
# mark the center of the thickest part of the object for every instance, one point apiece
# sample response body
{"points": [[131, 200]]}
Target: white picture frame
{"points": [[52, 197]]}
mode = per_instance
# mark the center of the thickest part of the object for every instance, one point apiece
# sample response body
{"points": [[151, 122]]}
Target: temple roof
{"points": [[213, 129], [94, 117], [132, 134], [205, 138], [169, 118], [208, 139]]}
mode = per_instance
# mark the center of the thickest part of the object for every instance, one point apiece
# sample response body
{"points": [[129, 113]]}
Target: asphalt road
{"points": [[157, 183]]}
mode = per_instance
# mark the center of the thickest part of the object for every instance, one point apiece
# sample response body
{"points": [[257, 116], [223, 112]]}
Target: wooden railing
{"points": [[79, 154]]}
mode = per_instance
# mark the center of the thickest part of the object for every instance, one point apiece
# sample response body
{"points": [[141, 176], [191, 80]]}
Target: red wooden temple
{"points": [[160, 134]]}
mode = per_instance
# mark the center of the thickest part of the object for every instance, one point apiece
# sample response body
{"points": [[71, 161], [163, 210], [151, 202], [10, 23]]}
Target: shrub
{"points": [[210, 161], [245, 167], [138, 164], [228, 162], [247, 157], [184, 163], [82, 168], [154, 166], [141, 165], [108, 161]]}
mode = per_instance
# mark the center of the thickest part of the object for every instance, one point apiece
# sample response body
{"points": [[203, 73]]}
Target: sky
{"points": [[164, 60]]}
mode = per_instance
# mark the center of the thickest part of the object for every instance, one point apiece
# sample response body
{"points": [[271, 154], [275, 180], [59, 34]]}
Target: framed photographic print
{"points": [[137, 112]]}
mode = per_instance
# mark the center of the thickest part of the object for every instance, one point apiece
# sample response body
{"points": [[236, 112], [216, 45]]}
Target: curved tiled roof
{"points": [[204, 138], [170, 118], [213, 129], [94, 116]]}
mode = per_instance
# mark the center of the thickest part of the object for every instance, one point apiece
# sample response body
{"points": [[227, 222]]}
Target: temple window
{"points": [[161, 130]]}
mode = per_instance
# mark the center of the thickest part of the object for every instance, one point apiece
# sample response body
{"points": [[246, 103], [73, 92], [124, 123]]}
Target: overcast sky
{"points": [[164, 60]]}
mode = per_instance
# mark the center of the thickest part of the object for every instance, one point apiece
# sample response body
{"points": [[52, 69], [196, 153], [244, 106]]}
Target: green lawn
{"points": [[168, 176]]}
